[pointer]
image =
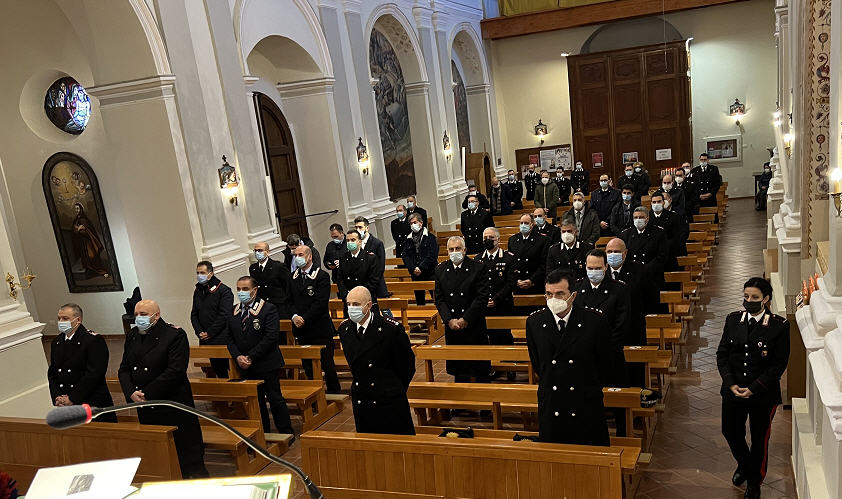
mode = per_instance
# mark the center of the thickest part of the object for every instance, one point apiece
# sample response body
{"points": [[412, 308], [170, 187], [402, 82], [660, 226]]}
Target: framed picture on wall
{"points": [[724, 149]]}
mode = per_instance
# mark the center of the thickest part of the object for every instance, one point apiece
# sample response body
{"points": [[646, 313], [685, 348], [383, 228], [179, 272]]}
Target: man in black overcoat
{"points": [[499, 267], [474, 220], [570, 253], [357, 267], [530, 250], [647, 245], [421, 254], [272, 279], [213, 303]]}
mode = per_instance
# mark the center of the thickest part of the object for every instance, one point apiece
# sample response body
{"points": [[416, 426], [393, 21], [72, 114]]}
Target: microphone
{"points": [[65, 417]]}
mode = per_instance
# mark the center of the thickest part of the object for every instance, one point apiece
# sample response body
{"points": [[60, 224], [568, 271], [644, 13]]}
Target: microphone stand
{"points": [[312, 489]]}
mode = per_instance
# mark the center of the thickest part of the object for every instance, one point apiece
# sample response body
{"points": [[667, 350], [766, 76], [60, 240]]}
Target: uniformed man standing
{"points": [[603, 201], [531, 181], [400, 228], [706, 181], [334, 251], [691, 199], [412, 207], [752, 356], [515, 190], [570, 351], [543, 226], [570, 253], [78, 363], [421, 255], [643, 299], [499, 267], [474, 221], [611, 299], [529, 248], [622, 213], [580, 179], [373, 245], [357, 267], [272, 279], [309, 292], [253, 330], [382, 365], [461, 299], [641, 181], [213, 302], [668, 222], [154, 367], [647, 245], [565, 188]]}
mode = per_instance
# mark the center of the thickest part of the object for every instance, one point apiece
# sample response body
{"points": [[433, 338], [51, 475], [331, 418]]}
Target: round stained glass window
{"points": [[67, 105]]}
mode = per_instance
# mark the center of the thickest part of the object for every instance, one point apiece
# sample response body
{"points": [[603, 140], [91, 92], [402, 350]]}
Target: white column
{"points": [[23, 366]]}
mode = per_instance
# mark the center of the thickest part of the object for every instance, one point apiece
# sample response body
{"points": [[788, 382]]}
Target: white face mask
{"points": [[657, 207], [557, 306], [567, 238], [679, 180], [640, 223], [578, 205], [545, 180], [667, 186]]}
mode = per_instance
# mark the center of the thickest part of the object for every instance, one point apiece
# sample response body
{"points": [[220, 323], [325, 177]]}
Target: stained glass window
{"points": [[67, 105]]}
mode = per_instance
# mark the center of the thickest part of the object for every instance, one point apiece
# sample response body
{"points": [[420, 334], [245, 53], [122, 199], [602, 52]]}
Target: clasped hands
{"points": [[743, 393], [457, 324], [244, 361]]}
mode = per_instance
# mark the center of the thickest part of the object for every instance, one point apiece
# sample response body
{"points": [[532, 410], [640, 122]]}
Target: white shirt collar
{"points": [[364, 324], [758, 316], [262, 264], [594, 286], [618, 269], [566, 319], [496, 254], [308, 269]]}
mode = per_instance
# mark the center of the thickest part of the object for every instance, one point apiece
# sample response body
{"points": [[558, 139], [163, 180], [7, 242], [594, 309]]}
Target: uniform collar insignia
{"points": [[213, 288]]}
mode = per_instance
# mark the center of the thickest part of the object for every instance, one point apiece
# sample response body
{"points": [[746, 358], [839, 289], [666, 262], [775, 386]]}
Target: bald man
{"points": [[631, 273], [382, 365], [154, 367]]}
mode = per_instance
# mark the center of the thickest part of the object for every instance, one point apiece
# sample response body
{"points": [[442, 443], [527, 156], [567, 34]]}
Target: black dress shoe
{"points": [[738, 478], [752, 491]]}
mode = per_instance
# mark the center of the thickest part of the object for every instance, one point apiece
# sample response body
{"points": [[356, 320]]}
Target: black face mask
{"points": [[752, 307], [488, 243]]}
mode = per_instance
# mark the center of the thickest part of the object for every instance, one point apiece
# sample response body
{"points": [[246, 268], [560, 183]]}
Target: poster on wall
{"points": [[548, 160], [596, 160], [663, 154], [564, 158], [630, 157], [724, 148], [533, 159], [84, 241]]}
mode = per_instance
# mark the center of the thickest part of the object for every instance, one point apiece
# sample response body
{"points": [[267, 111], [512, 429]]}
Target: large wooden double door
{"points": [[631, 101]]}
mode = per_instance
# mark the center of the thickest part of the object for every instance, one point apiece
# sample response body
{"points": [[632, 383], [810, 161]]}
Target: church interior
{"points": [[464, 176]]}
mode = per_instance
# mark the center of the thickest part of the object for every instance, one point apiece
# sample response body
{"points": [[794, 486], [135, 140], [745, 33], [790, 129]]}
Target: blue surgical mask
{"points": [[524, 228], [640, 223], [410, 204], [539, 220], [142, 322], [300, 261], [338, 241], [595, 275], [65, 326], [244, 296], [472, 206], [657, 207], [615, 259], [259, 255], [626, 197], [355, 313], [456, 257], [603, 184], [201, 278], [352, 246], [629, 173], [400, 215]]}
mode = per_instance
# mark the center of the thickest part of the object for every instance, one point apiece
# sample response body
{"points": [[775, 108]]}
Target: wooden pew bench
{"points": [[427, 466], [29, 444], [502, 357]]}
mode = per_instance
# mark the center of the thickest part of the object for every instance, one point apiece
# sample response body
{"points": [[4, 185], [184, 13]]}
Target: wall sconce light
{"points": [[836, 177], [541, 130], [28, 276], [737, 110], [362, 157], [565, 54], [448, 152], [228, 181], [788, 139]]}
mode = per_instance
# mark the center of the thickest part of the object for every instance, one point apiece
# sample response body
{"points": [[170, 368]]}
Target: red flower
{"points": [[8, 486]]}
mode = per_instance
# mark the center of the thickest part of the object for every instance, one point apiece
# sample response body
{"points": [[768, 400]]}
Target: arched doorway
{"points": [[279, 157]]}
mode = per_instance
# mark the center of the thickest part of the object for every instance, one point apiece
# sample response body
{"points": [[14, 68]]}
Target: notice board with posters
{"points": [[553, 157]]}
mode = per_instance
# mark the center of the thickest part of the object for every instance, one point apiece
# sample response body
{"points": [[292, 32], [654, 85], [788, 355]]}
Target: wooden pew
{"points": [[29, 444], [661, 329], [502, 357], [530, 300], [293, 357], [427, 466], [495, 397]]}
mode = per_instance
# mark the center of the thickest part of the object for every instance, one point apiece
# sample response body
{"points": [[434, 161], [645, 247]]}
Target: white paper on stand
{"points": [[98, 480]]}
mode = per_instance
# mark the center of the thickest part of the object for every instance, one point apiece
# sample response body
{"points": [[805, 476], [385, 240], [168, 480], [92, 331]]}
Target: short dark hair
{"points": [[416, 216], [761, 284], [252, 281], [657, 194], [293, 240], [703, 154], [77, 310], [558, 275], [511, 171], [361, 219], [354, 231], [599, 253], [627, 187], [336, 227], [204, 263]]}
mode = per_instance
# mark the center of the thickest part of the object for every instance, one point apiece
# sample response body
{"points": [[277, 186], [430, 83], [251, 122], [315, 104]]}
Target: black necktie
{"points": [[561, 326], [752, 322], [360, 332], [616, 275], [244, 315]]}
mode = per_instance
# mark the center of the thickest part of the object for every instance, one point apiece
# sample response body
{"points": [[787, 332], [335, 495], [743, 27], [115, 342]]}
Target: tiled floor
{"points": [[689, 455]]}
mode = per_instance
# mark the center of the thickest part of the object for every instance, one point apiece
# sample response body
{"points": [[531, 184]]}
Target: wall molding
{"points": [[134, 91]]}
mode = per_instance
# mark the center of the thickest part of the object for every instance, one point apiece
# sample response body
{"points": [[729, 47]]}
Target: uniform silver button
{"points": [[372, 384], [68, 370], [59, 370], [61, 385], [571, 388], [573, 414], [555, 388], [71, 386], [745, 363], [370, 365], [746, 345], [145, 368], [359, 402], [570, 361], [553, 361], [374, 402], [357, 383], [135, 368], [556, 413]]}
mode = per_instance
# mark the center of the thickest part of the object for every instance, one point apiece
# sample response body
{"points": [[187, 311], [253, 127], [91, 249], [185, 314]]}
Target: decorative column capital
{"points": [[352, 6], [128, 92], [423, 17]]}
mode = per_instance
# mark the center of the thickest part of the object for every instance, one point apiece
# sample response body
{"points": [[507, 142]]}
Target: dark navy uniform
{"points": [[499, 267], [559, 256], [400, 229], [425, 256], [632, 274], [155, 362], [622, 217], [462, 292], [334, 252], [419, 210], [373, 245], [648, 248], [573, 363], [515, 193], [670, 224], [552, 232], [213, 303], [531, 181], [530, 253], [272, 282], [705, 181], [603, 202], [473, 223], [565, 189], [253, 331], [309, 298], [580, 180], [360, 270], [77, 369], [641, 182], [752, 354], [382, 365]]}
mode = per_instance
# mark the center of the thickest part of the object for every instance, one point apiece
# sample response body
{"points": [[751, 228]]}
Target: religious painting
{"points": [[392, 116], [723, 149], [67, 105], [80, 225], [460, 98]]}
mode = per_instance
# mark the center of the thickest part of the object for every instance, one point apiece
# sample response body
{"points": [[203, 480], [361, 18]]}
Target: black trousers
{"points": [[270, 390], [188, 437], [751, 461], [328, 365], [220, 367]]}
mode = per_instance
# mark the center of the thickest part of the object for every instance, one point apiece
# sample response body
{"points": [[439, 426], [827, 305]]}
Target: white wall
{"points": [[733, 55]]}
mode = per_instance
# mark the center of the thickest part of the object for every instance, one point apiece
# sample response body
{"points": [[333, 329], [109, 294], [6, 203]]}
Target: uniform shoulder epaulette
{"points": [[509, 253], [392, 320], [542, 234], [539, 310], [344, 322], [778, 318], [736, 312]]}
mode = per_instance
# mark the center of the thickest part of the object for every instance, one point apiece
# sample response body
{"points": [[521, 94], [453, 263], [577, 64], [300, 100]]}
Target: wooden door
{"points": [[279, 157], [630, 100]]}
